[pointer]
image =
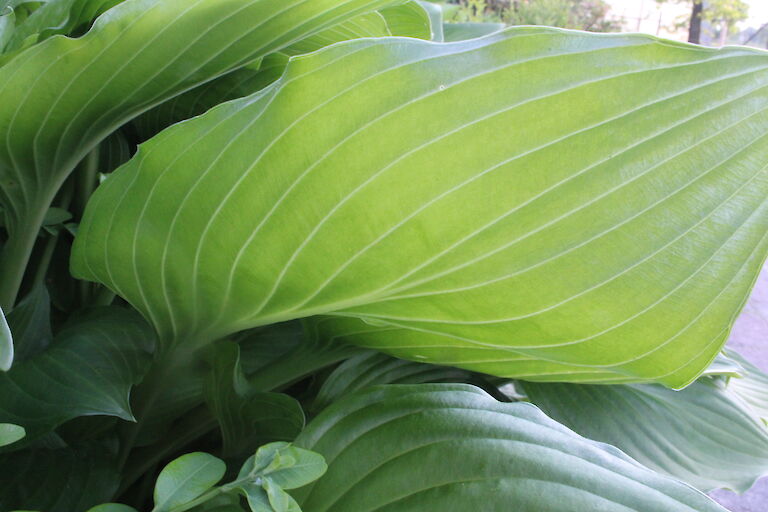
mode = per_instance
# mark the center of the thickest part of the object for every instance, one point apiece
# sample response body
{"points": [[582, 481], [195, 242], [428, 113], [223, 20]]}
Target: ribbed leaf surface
{"points": [[89, 370], [453, 448], [62, 96], [588, 200], [702, 435]]}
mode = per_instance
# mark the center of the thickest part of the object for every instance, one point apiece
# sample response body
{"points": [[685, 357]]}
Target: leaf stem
{"points": [[15, 256]]}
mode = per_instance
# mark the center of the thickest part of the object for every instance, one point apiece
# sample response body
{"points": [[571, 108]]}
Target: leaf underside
{"points": [[597, 202], [450, 447], [702, 435]]}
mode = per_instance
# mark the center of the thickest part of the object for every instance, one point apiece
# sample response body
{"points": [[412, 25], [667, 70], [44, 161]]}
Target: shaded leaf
{"points": [[373, 368], [451, 447], [89, 370], [752, 387], [64, 480], [247, 418], [56, 17], [112, 507], [30, 323], [700, 435]]}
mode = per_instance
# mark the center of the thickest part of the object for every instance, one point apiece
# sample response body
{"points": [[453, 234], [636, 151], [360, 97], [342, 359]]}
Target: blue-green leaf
{"points": [[451, 447]]}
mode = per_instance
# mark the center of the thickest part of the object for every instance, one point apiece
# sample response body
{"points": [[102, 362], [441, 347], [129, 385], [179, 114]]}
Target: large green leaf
{"points": [[587, 200], [463, 31], [62, 96], [55, 17], [63, 480], [451, 447], [409, 20], [701, 435], [89, 370], [238, 83]]}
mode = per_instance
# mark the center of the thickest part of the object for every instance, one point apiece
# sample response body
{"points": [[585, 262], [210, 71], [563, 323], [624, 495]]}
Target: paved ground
{"points": [[750, 338]]}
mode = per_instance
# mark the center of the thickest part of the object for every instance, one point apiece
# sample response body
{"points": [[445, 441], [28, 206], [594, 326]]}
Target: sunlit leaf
{"points": [[588, 200]]}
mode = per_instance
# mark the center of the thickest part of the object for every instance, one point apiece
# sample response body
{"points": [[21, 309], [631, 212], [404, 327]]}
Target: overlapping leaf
{"points": [[409, 20], [463, 31], [701, 435], [752, 386], [586, 200], [89, 370], [247, 418], [138, 54], [372, 368], [453, 448]]}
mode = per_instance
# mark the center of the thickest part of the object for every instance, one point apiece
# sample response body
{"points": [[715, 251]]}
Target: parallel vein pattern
{"points": [[62, 96], [448, 446], [591, 206], [702, 435]]}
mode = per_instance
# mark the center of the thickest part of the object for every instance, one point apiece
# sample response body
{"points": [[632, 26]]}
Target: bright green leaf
{"points": [[89, 370], [186, 478], [370, 24], [700, 435], [526, 192], [10, 433], [408, 20], [435, 12], [238, 83], [139, 53], [464, 31], [451, 447]]}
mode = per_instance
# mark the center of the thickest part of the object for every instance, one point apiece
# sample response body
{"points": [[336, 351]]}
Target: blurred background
{"points": [[707, 22]]}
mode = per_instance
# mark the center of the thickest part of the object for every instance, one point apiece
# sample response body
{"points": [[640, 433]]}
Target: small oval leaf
{"points": [[186, 478]]}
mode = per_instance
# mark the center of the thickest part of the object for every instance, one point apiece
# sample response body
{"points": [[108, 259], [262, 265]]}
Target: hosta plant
{"points": [[330, 255]]}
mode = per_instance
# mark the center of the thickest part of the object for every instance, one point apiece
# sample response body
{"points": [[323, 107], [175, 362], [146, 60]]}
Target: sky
{"points": [[646, 16], [758, 12]]}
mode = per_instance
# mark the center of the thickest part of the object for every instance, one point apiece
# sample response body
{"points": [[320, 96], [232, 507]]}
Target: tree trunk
{"points": [[724, 34], [694, 29]]}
